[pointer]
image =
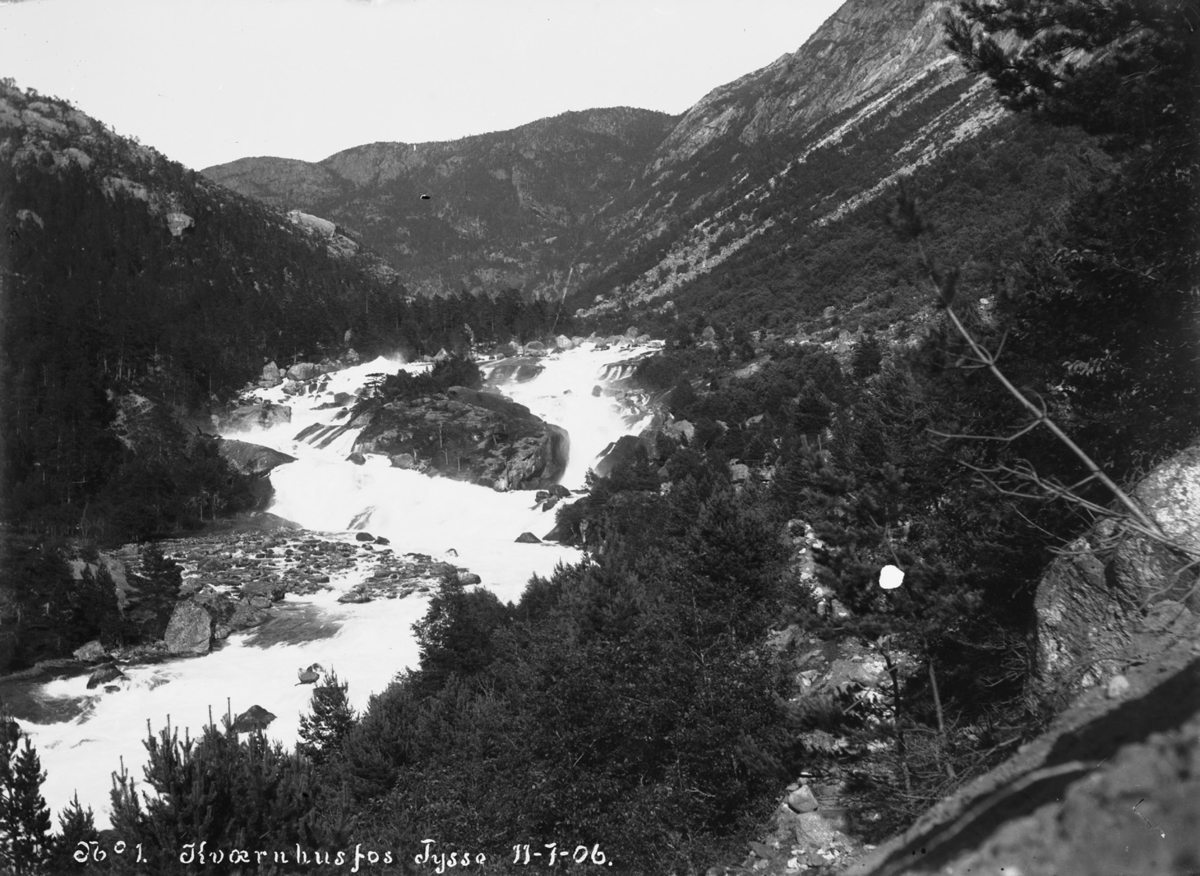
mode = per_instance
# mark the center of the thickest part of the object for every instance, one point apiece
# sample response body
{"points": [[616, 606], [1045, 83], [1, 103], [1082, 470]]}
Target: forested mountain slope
{"points": [[514, 209], [137, 292]]}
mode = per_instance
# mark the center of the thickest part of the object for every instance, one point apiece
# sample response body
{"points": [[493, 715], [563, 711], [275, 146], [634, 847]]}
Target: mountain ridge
{"points": [[510, 205], [664, 202]]}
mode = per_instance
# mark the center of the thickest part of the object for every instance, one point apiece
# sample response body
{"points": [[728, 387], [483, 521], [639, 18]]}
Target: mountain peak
{"points": [[863, 51]]}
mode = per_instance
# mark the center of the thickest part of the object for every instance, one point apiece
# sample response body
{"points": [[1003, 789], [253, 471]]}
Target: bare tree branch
{"points": [[945, 283]]}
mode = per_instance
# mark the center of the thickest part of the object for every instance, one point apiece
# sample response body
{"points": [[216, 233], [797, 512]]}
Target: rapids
{"points": [[366, 644]]}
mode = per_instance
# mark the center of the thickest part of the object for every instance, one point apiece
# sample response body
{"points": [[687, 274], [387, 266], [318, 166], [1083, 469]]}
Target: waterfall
{"points": [[367, 644]]}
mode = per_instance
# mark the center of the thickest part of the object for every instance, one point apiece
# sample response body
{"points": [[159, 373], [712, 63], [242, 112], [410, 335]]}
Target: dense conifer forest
{"points": [[106, 307]]}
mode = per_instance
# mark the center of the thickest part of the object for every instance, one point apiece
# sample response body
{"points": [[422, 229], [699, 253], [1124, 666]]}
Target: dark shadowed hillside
{"points": [[138, 293]]}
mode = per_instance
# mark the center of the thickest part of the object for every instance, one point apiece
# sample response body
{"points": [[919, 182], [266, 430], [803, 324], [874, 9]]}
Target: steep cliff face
{"points": [[864, 51], [871, 97]]}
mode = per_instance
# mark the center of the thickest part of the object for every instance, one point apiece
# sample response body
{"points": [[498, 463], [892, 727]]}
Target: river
{"points": [[367, 644]]}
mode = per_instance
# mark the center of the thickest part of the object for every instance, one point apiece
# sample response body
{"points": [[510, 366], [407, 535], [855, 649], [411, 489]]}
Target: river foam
{"points": [[367, 644]]}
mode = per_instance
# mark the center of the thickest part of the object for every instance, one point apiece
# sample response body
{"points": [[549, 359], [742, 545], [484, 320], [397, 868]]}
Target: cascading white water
{"points": [[370, 643]]}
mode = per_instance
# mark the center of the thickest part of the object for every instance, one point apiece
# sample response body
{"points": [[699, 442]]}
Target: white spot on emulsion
{"points": [[891, 577]]}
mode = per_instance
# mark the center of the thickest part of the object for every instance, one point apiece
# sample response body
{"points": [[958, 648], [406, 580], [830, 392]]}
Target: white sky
{"points": [[208, 81]]}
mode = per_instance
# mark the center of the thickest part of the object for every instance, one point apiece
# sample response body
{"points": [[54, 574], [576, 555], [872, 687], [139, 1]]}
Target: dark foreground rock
{"points": [[468, 435], [103, 674], [1113, 787], [254, 718], [255, 461]]}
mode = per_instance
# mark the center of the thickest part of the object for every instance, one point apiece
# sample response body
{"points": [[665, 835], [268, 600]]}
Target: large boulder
{"points": [[469, 435], [681, 430], [251, 459], [90, 652], [1111, 786], [316, 224], [1094, 597], [261, 416], [305, 371], [189, 632], [617, 454], [254, 718], [103, 674], [271, 376]]}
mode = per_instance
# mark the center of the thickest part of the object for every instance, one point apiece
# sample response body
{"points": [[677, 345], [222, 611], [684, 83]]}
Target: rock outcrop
{"points": [[255, 416], [177, 223], [257, 462], [617, 454], [103, 674], [468, 435], [90, 652], [1094, 597], [251, 459], [189, 631], [1112, 787]]}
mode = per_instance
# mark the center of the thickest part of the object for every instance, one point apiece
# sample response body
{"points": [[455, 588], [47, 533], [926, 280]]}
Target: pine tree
{"points": [[455, 636], [24, 817], [813, 410], [222, 790], [323, 732], [77, 827], [868, 354]]}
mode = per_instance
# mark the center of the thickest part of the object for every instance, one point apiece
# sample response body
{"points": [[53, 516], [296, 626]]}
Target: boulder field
{"points": [[231, 581]]}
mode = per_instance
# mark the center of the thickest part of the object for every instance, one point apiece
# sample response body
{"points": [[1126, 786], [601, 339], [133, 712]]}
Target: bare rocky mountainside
{"points": [[627, 209]]}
